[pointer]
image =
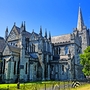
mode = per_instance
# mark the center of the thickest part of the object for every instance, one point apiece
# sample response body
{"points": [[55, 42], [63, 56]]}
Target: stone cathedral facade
{"points": [[28, 56]]}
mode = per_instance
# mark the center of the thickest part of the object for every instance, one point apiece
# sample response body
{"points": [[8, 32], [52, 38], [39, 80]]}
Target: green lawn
{"points": [[34, 85], [31, 85]]}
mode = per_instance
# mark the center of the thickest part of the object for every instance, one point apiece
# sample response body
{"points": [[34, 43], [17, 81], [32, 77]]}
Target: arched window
{"points": [[56, 50], [59, 50], [62, 69], [35, 67], [26, 69], [30, 48], [3, 66], [26, 46], [33, 48], [66, 50], [14, 67]]}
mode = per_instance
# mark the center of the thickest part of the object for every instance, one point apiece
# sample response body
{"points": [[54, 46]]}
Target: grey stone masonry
{"points": [[30, 56]]}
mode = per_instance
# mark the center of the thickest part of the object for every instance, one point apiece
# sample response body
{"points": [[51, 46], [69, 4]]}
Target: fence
{"points": [[43, 86]]}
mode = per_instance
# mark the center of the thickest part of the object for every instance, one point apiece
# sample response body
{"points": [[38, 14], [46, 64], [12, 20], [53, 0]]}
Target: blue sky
{"points": [[58, 16]]}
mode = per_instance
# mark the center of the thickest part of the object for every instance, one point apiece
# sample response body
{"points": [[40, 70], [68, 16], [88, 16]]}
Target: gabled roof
{"points": [[27, 34], [2, 44], [17, 28], [35, 35]]}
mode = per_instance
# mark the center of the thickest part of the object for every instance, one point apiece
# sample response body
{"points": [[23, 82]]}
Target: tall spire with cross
{"points": [[80, 22]]}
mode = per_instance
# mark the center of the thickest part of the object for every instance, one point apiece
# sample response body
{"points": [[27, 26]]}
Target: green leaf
{"points": [[85, 61]]}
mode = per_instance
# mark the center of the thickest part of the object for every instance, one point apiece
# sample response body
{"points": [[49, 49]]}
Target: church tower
{"points": [[83, 31]]}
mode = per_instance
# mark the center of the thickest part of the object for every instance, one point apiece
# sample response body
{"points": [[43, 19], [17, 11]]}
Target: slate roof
{"points": [[61, 38], [2, 44]]}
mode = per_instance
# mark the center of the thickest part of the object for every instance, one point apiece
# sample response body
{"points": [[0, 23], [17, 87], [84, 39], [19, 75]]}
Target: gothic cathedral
{"points": [[29, 56]]}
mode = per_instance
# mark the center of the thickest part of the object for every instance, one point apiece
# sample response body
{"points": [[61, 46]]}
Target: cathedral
{"points": [[30, 56]]}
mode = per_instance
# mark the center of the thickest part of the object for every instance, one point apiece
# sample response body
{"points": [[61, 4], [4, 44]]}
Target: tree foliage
{"points": [[85, 61]]}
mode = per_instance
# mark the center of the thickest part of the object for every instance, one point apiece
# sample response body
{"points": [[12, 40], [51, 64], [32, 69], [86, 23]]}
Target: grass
{"points": [[39, 85], [31, 85]]}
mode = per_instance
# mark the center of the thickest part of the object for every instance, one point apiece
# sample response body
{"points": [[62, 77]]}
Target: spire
{"points": [[40, 31], [6, 33], [49, 36], [14, 23], [24, 26], [45, 33], [6, 29], [80, 22]]}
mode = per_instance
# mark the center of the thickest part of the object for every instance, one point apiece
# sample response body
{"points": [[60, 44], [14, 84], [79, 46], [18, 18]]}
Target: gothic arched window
{"points": [[66, 50], [14, 67], [62, 69], [4, 65], [26, 69], [59, 50]]}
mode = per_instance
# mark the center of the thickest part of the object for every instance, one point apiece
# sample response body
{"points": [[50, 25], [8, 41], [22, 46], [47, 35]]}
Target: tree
{"points": [[85, 61]]}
